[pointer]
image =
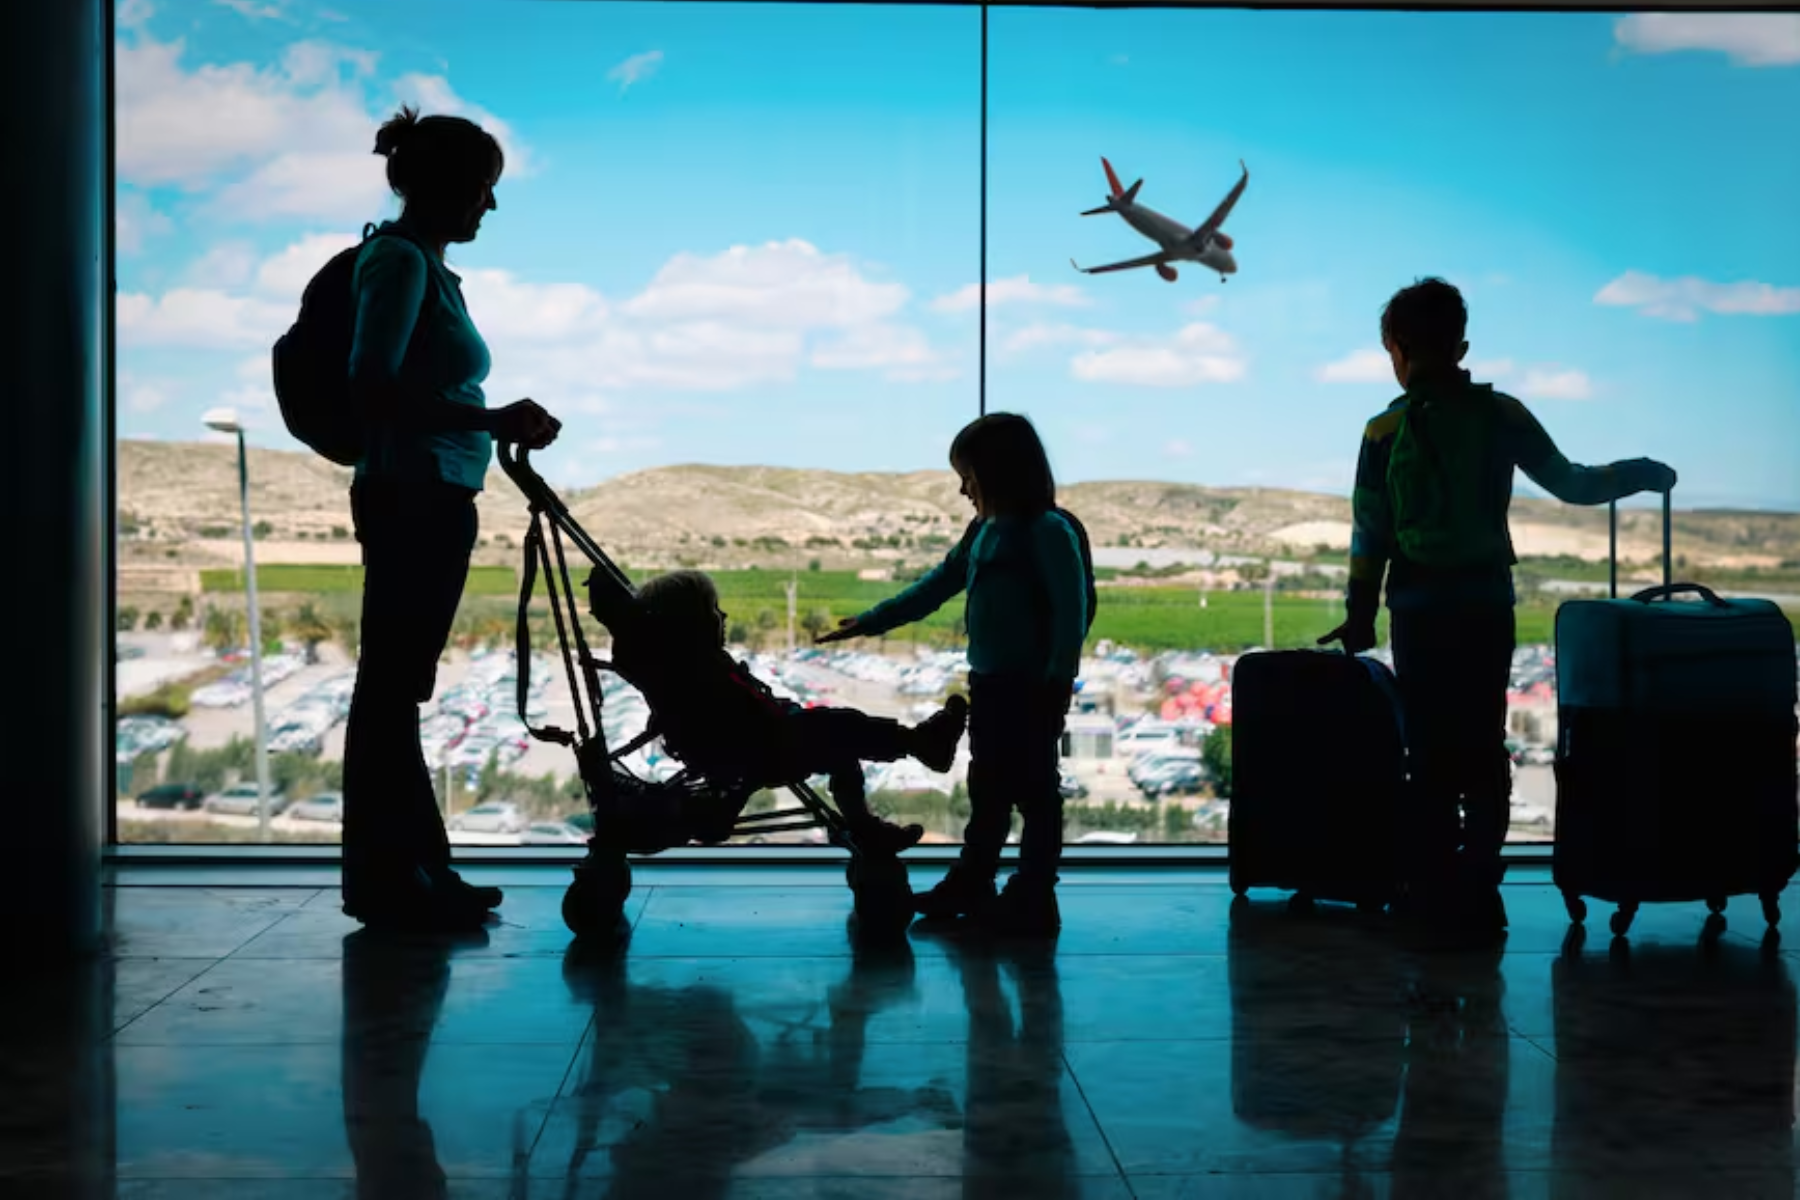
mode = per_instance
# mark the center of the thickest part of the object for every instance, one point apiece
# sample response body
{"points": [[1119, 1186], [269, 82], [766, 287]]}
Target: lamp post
{"points": [[225, 420]]}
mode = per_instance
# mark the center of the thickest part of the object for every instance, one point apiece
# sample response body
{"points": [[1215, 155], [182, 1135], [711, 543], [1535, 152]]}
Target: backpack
{"points": [[312, 361], [1439, 480]]}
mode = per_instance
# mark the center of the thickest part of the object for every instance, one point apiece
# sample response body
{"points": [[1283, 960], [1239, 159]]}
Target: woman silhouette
{"points": [[416, 368]]}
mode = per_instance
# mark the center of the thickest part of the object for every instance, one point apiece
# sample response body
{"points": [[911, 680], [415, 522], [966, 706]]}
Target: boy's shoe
{"points": [[883, 838], [455, 885], [1025, 909], [935, 738], [961, 893]]}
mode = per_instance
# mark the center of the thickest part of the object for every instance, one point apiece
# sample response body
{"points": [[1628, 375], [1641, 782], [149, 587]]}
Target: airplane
{"points": [[1207, 245]]}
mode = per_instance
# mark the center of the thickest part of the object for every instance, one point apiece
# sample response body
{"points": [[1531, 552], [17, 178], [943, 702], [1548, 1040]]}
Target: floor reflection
{"points": [[1672, 1057], [394, 990]]}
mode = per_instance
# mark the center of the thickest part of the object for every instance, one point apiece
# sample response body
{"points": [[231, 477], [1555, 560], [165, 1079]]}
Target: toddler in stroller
{"points": [[721, 720]]}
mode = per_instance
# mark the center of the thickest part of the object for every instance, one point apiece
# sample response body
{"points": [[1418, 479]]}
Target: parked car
{"points": [[552, 833], [498, 816], [1072, 788], [1179, 778], [172, 795], [325, 806], [242, 799]]}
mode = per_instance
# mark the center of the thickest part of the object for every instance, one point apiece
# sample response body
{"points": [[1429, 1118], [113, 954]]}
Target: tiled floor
{"points": [[251, 1043]]}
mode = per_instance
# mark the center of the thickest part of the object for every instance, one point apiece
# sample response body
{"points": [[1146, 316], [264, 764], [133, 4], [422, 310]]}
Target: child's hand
{"points": [[1357, 635], [846, 628]]}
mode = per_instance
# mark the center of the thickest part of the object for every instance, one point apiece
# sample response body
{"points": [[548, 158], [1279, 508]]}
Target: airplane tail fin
{"points": [[1130, 193], [1112, 178]]}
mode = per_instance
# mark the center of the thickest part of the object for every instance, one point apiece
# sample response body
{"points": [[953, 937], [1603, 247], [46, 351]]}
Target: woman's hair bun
{"points": [[396, 130]]}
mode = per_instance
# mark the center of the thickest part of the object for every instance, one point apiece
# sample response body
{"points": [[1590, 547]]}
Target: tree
{"points": [[815, 622], [183, 615], [127, 618], [309, 628], [1215, 752], [813, 564], [223, 629], [271, 631], [347, 632], [153, 621], [261, 530]]}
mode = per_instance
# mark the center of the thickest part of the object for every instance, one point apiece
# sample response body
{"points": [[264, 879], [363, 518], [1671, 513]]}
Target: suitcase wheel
{"points": [[1577, 907], [1771, 906], [1621, 920], [1715, 905]]}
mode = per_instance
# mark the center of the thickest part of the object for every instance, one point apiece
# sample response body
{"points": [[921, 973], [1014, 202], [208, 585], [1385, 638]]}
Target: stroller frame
{"points": [[633, 816]]}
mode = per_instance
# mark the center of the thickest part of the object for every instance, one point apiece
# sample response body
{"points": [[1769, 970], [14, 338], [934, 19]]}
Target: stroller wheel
{"points": [[594, 905], [882, 896]]}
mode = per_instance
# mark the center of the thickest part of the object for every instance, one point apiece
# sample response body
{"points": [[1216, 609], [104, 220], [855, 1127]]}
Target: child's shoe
{"points": [[936, 737], [884, 839], [961, 893], [1025, 908]]}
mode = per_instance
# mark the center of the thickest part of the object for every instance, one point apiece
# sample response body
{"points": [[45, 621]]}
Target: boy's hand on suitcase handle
{"points": [[1653, 476], [1357, 634]]}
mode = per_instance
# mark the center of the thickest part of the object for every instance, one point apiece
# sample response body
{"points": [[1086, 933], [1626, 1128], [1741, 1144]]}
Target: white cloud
{"points": [[1177, 448], [787, 284], [254, 10], [199, 317], [1493, 368], [1039, 334], [635, 69], [1201, 306], [1362, 366], [1017, 290], [284, 275], [132, 14], [289, 140], [1197, 354], [135, 221], [1750, 39], [225, 265], [901, 351], [141, 395], [251, 398], [1683, 299], [1554, 383]]}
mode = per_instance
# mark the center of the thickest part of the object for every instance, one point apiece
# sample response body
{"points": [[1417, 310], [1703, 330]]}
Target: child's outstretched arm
{"points": [[1538, 457], [1058, 554], [926, 595]]}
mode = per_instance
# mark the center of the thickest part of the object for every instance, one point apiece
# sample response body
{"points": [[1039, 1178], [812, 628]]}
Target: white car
{"points": [[498, 816], [243, 799], [325, 806], [552, 833]]}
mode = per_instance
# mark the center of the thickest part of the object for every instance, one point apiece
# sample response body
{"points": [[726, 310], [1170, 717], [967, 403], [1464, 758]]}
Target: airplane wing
{"points": [[1149, 260], [1212, 223]]}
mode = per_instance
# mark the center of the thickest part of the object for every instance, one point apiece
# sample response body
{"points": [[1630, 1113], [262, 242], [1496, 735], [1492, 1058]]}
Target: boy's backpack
{"points": [[1087, 563], [1439, 479], [312, 361]]}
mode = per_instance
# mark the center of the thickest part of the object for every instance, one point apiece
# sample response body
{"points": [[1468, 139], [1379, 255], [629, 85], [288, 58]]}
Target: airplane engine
{"points": [[1166, 271], [1224, 242]]}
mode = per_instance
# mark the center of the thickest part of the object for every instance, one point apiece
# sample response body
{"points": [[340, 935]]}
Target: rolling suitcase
{"points": [[1675, 761], [1317, 766]]}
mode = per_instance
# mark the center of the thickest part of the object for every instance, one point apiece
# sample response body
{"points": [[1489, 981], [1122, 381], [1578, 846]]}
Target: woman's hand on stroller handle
{"points": [[846, 628], [526, 423]]}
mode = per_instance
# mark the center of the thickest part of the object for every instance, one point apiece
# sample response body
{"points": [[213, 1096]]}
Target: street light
{"points": [[225, 420]]}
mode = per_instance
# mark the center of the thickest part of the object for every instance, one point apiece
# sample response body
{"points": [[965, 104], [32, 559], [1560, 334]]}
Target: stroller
{"points": [[634, 816]]}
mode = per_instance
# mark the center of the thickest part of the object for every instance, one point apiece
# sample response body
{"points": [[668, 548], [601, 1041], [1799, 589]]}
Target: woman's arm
{"points": [[391, 281]]}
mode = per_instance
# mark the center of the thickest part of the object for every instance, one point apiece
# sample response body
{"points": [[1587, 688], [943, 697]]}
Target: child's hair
{"points": [[1426, 321], [426, 155], [683, 604], [1004, 454]]}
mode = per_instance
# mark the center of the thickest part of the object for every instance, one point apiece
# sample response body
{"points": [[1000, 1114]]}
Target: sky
{"points": [[751, 233]]}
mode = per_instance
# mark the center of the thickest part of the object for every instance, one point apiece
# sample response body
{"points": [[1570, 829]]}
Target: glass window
{"points": [[734, 252], [1604, 190]]}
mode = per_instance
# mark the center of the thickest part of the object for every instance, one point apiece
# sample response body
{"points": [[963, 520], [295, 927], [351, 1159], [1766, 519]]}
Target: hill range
{"points": [[178, 508]]}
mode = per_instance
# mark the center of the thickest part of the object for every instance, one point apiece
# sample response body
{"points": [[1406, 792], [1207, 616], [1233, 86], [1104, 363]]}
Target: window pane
{"points": [[1604, 191], [732, 252]]}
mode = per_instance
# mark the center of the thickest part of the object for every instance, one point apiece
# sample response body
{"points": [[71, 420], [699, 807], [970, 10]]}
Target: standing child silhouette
{"points": [[1028, 609]]}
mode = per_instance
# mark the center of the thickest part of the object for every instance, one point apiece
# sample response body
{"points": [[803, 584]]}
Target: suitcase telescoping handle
{"points": [[1612, 558]]}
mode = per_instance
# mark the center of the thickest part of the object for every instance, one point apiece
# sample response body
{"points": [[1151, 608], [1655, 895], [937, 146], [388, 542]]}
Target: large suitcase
{"points": [[1675, 755], [1317, 767]]}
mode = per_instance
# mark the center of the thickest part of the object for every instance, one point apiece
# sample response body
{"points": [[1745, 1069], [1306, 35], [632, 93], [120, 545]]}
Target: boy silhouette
{"points": [[1433, 484]]}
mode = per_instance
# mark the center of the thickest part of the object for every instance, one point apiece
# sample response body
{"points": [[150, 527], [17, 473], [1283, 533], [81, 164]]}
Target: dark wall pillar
{"points": [[53, 370]]}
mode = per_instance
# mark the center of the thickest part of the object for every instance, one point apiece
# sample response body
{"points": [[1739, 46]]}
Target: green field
{"points": [[324, 579]]}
